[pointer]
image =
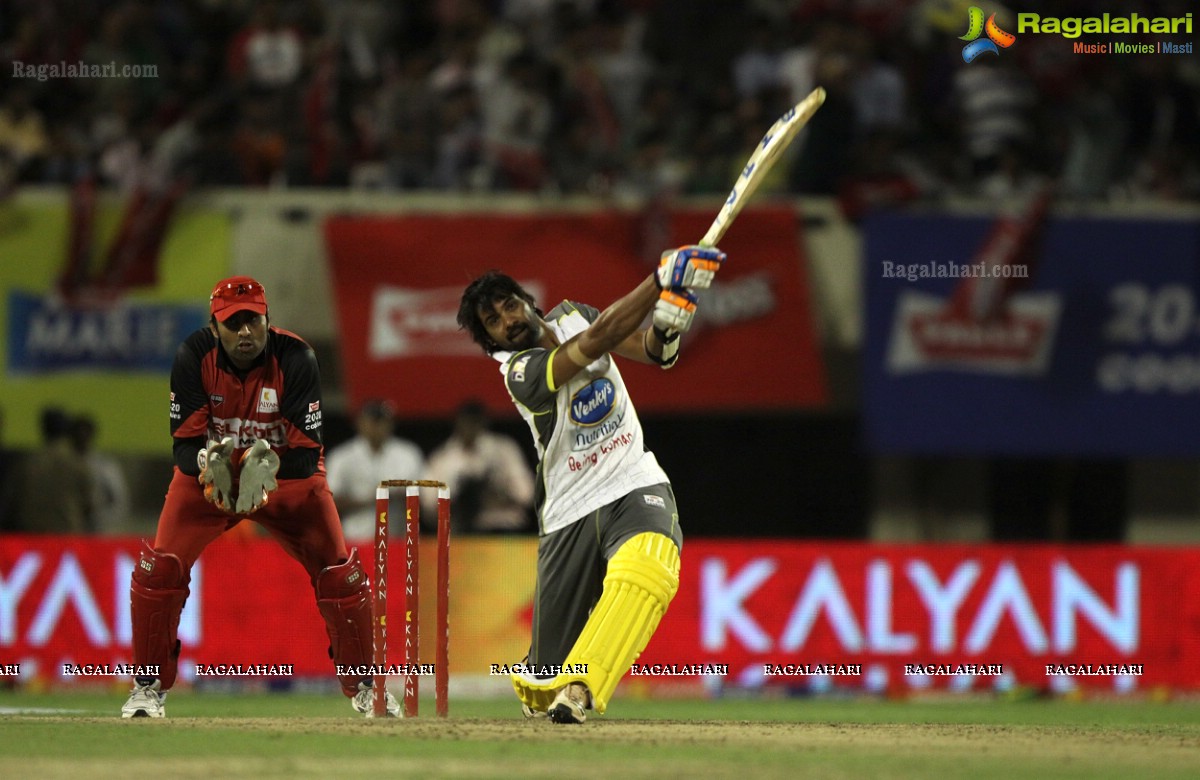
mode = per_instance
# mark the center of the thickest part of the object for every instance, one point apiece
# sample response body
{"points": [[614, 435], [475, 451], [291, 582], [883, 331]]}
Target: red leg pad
{"points": [[157, 592], [344, 599]]}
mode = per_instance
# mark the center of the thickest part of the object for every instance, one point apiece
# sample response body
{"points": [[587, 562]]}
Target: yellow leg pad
{"points": [[642, 578], [534, 694]]}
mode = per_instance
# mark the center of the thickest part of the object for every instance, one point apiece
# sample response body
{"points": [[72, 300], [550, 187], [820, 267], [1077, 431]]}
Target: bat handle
{"points": [[712, 236]]}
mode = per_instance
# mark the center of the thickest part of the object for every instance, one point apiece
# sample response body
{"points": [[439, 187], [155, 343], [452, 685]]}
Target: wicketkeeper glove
{"points": [[688, 266], [216, 472], [260, 463]]}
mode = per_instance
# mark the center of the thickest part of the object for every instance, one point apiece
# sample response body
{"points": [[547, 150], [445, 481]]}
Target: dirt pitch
{"points": [[323, 747]]}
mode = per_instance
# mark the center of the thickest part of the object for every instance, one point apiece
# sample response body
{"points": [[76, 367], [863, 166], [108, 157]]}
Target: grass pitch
{"points": [[297, 736]]}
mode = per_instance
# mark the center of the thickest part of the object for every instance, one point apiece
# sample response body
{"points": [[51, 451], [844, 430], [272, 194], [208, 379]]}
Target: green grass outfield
{"points": [[212, 736]]}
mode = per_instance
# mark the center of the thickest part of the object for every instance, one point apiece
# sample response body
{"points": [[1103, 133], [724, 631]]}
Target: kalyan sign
{"points": [[752, 605], [844, 614]]}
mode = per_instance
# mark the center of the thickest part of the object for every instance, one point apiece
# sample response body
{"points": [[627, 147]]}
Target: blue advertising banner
{"points": [[1032, 335], [45, 334]]}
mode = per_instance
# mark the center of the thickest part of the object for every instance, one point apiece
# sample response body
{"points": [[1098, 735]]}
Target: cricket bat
{"points": [[769, 149]]}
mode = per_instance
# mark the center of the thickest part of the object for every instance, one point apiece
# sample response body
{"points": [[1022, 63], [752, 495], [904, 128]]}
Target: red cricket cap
{"points": [[237, 293]]}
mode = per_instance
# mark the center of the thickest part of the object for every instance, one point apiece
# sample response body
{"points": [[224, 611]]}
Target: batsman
{"points": [[246, 424], [609, 535]]}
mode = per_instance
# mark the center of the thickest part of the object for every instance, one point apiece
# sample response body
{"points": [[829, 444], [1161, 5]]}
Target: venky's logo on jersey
{"points": [[594, 402], [268, 402]]}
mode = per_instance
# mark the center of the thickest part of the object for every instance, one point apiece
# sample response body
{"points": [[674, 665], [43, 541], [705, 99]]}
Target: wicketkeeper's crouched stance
{"points": [[246, 421], [608, 554]]}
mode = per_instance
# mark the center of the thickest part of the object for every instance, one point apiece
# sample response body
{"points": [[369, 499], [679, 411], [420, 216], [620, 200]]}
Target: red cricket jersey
{"points": [[278, 399]]}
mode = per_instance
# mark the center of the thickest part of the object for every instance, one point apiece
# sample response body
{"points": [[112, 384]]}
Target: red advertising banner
{"points": [[65, 600], [937, 616], [398, 280], [896, 618]]}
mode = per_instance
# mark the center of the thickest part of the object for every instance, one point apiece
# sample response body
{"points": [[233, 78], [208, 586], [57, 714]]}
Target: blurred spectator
{"points": [[711, 147], [581, 164], [23, 139], [1165, 138], [407, 113], [356, 467], [880, 93], [823, 148], [362, 29], [582, 91], [654, 171], [1166, 173], [757, 68], [266, 54], [587, 96], [110, 490], [799, 64], [994, 102], [491, 485], [54, 485], [1096, 132], [517, 116], [258, 142], [622, 63], [885, 172], [458, 163]]}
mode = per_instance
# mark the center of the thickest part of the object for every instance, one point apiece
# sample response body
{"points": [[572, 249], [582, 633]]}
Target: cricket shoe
{"points": [[530, 713], [146, 701], [364, 701], [570, 704]]}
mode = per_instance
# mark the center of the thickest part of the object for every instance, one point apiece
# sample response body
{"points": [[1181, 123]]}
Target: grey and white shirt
{"points": [[590, 446]]}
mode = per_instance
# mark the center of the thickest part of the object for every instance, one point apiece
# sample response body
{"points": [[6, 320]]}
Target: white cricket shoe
{"points": [[364, 701], [570, 704], [146, 701]]}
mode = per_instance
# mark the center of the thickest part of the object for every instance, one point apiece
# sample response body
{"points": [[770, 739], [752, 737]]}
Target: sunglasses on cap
{"points": [[233, 290]]}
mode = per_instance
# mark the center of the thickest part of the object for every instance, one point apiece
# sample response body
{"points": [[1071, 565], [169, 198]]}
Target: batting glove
{"points": [[260, 463], [216, 472], [673, 311], [688, 266]]}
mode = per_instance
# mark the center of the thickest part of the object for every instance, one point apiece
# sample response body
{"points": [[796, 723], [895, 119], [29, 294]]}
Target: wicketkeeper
{"points": [[246, 421], [608, 552]]}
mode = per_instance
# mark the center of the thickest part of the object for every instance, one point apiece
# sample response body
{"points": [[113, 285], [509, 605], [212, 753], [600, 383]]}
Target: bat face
{"points": [[768, 150]]}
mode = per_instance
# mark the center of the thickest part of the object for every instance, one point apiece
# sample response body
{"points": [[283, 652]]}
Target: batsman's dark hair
{"points": [[482, 293]]}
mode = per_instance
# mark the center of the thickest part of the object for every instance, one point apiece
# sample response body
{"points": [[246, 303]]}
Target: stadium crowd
{"points": [[601, 97]]}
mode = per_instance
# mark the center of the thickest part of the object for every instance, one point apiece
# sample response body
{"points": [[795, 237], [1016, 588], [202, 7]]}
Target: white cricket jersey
{"points": [[589, 440]]}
